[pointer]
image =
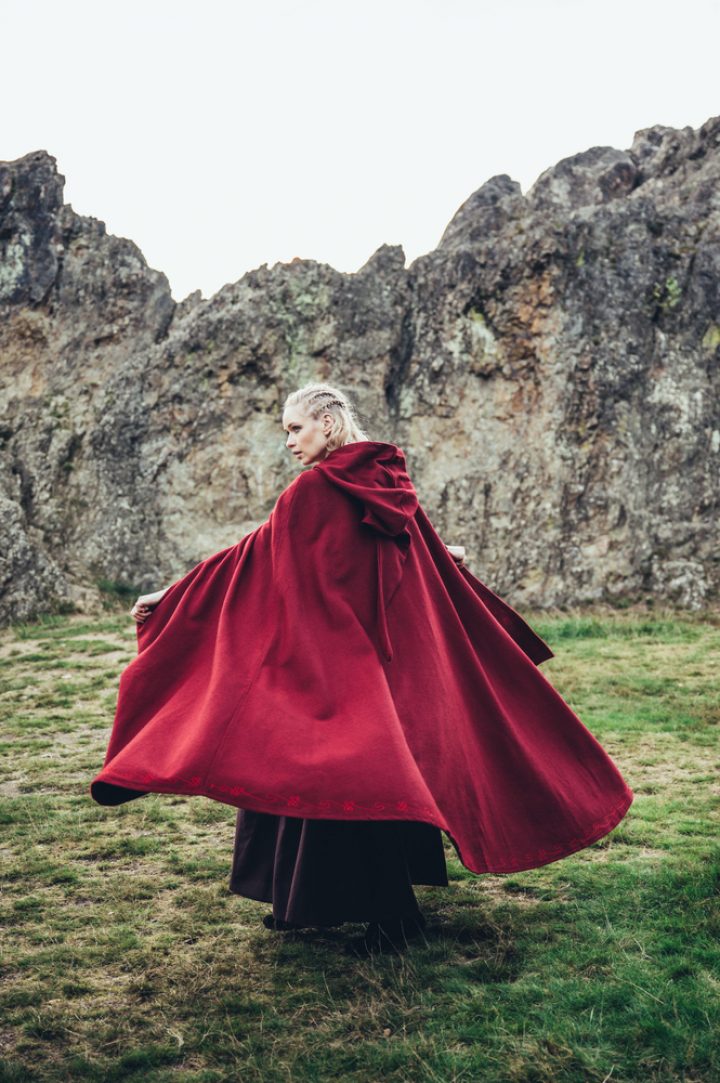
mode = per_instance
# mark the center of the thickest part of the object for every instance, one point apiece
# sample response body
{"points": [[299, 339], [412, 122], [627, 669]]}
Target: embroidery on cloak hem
{"points": [[529, 859], [292, 801]]}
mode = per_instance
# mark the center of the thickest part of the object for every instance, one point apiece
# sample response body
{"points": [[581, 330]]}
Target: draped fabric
{"points": [[326, 872], [336, 663]]}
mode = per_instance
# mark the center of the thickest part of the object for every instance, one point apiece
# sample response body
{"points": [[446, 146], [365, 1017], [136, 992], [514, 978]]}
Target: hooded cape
{"points": [[336, 663]]}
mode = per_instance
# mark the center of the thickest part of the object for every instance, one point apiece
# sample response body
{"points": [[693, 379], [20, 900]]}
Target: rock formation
{"points": [[550, 371]]}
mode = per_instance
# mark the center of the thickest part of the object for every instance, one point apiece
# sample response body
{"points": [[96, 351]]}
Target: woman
{"points": [[342, 678]]}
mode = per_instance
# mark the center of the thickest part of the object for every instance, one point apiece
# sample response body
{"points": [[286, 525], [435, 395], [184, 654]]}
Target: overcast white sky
{"points": [[222, 135]]}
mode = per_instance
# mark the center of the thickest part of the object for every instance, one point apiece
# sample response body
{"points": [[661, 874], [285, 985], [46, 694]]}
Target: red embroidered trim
{"points": [[530, 859], [533, 859], [597, 830], [292, 801]]}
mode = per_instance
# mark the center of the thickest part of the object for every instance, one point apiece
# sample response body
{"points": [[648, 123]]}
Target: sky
{"points": [[222, 135]]}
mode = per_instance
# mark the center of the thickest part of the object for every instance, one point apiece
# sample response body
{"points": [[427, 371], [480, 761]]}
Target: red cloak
{"points": [[336, 663]]}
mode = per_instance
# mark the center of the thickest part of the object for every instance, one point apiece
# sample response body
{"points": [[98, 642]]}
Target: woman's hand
{"points": [[457, 552], [144, 605]]}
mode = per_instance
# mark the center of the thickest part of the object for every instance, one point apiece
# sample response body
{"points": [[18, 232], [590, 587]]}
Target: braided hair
{"points": [[317, 399]]}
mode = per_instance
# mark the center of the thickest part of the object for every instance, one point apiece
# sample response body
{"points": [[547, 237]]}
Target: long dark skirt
{"points": [[325, 872]]}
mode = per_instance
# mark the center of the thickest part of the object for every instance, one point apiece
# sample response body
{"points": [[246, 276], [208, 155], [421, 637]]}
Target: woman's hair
{"points": [[314, 400]]}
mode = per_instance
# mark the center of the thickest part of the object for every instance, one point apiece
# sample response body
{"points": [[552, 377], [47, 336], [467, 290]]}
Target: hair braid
{"points": [[318, 399]]}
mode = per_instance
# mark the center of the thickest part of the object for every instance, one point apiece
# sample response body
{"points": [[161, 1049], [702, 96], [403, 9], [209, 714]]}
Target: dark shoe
{"points": [[388, 937], [278, 925]]}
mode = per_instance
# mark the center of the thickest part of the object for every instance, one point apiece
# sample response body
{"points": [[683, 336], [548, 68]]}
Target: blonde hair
{"points": [[317, 399]]}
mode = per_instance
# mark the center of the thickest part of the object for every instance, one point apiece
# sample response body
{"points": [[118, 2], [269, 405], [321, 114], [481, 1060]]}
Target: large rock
{"points": [[550, 371]]}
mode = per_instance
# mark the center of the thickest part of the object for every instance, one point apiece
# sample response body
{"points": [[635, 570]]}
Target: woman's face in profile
{"points": [[307, 439]]}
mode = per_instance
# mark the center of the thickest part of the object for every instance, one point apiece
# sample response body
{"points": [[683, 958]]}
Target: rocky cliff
{"points": [[550, 370]]}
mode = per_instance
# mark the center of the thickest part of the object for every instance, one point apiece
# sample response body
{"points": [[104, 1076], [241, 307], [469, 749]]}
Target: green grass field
{"points": [[125, 957]]}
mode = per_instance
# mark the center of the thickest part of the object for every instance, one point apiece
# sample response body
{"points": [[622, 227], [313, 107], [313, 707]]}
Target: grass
{"points": [[125, 957]]}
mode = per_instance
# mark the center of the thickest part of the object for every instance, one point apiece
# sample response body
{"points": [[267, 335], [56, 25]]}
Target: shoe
{"points": [[387, 937], [278, 925]]}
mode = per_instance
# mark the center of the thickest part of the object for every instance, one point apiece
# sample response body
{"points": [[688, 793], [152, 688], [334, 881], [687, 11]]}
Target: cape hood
{"points": [[374, 474], [336, 663]]}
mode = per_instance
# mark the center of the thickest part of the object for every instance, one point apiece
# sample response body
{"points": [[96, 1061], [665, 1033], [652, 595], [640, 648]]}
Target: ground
{"points": [[125, 957]]}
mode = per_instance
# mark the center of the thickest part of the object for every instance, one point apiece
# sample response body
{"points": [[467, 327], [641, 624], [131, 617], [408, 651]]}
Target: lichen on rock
{"points": [[550, 370]]}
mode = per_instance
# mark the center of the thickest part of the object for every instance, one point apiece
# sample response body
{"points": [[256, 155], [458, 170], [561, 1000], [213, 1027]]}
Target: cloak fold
{"points": [[336, 663]]}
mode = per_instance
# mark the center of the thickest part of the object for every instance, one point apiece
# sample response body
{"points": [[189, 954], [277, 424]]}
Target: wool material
{"points": [[336, 663]]}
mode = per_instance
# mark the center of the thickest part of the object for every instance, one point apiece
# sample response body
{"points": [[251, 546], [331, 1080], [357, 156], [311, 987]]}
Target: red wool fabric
{"points": [[336, 663]]}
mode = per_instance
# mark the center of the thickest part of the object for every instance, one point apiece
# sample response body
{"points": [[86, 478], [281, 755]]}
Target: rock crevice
{"points": [[550, 370]]}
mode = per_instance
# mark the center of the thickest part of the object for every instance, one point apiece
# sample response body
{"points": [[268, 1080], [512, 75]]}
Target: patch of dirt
{"points": [[70, 740], [663, 761], [495, 887], [8, 1040], [18, 647]]}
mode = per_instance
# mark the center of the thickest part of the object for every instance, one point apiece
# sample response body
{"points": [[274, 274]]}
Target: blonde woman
{"points": [[342, 678]]}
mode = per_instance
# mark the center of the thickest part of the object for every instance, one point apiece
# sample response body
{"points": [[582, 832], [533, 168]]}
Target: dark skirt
{"points": [[325, 872]]}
